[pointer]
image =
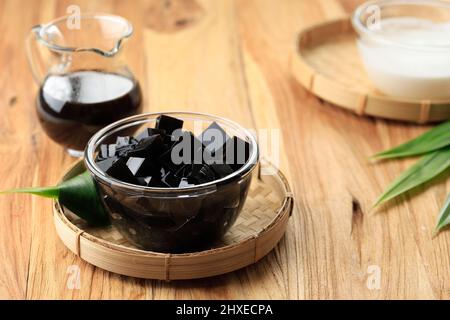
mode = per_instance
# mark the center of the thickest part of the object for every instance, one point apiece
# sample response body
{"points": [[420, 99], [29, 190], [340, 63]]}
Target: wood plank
{"points": [[51, 264], [230, 58], [184, 87], [334, 236], [18, 150], [199, 67]]}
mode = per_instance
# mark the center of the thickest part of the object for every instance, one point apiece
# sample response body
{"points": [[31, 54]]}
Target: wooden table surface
{"points": [[229, 58]]}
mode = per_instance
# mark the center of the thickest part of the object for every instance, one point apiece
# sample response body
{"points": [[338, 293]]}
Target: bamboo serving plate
{"points": [[258, 229], [328, 64]]}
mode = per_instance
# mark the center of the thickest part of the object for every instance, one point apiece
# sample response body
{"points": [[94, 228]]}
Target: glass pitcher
{"points": [[84, 82]]}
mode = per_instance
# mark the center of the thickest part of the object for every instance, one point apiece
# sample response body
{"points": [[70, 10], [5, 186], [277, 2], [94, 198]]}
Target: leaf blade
{"points": [[432, 140], [47, 192], [444, 217], [422, 171], [80, 195]]}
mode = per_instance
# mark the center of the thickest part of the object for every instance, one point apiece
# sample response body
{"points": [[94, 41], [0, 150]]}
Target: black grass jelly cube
{"points": [[201, 174], [103, 154], [156, 182], [106, 151], [122, 141], [105, 164], [124, 150], [188, 149], [184, 183], [141, 167], [148, 132], [171, 180], [221, 170], [237, 153], [214, 138], [144, 181], [120, 171], [150, 147], [168, 124]]}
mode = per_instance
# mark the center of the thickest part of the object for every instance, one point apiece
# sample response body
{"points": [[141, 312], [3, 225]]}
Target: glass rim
{"points": [[364, 30], [39, 31], [143, 118]]}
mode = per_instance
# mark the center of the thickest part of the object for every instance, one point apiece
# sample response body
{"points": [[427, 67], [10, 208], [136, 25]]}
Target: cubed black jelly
{"points": [[148, 158], [174, 224]]}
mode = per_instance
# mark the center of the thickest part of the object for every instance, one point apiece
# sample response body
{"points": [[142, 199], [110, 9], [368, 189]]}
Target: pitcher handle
{"points": [[34, 57]]}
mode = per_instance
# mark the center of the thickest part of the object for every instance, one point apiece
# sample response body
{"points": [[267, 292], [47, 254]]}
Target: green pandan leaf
{"points": [[46, 192], [434, 139], [78, 194], [422, 171], [444, 216]]}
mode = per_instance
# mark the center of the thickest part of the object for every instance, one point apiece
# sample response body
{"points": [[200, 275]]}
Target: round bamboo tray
{"points": [[258, 229], [328, 64]]}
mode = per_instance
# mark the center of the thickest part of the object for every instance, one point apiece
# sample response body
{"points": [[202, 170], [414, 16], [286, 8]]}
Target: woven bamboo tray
{"points": [[257, 230], [328, 64]]}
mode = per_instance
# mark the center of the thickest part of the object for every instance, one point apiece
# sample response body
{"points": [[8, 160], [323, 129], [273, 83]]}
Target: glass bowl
{"points": [[405, 47], [173, 220]]}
